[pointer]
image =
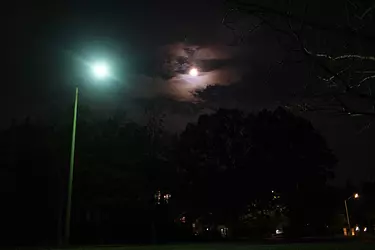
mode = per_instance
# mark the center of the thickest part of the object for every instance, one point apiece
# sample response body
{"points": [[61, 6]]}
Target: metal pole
{"points": [[347, 216], [70, 183]]}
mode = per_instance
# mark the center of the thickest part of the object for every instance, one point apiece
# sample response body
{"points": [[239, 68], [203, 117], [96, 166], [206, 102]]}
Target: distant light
{"points": [[207, 229], [273, 191], [183, 219], [357, 228], [167, 197], [278, 231], [193, 72], [100, 70], [158, 197], [365, 229], [356, 195]]}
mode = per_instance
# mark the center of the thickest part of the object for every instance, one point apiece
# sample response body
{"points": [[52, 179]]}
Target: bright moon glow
{"points": [[193, 72], [100, 70]]}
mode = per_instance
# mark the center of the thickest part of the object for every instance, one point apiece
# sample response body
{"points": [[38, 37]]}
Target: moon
{"points": [[193, 72]]}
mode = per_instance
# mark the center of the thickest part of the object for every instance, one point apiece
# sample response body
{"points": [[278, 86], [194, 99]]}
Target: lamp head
{"points": [[100, 70]]}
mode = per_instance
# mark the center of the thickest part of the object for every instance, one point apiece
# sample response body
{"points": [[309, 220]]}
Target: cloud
{"points": [[217, 65], [220, 52]]}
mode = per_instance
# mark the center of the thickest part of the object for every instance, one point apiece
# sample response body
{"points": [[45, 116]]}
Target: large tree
{"points": [[119, 167], [229, 160]]}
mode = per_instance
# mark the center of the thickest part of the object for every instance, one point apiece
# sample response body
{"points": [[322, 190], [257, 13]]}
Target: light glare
{"points": [[100, 70]]}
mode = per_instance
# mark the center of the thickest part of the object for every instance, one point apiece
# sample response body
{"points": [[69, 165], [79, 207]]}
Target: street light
{"points": [[100, 71], [355, 196]]}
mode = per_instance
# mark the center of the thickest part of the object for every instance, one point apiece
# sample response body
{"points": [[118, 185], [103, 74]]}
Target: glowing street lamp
{"points": [[355, 196], [193, 72], [100, 71]]}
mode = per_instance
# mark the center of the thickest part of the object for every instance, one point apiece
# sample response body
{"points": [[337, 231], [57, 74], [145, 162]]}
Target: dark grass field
{"points": [[311, 246]]}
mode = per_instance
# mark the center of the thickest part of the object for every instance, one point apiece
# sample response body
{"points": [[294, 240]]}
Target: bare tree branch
{"points": [[366, 79], [345, 73], [371, 8], [359, 57], [346, 31]]}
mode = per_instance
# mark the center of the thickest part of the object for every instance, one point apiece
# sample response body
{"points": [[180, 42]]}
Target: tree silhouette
{"points": [[229, 160], [30, 181], [119, 167], [215, 172]]}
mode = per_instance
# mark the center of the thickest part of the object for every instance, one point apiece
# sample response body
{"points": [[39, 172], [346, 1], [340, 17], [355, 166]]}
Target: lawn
{"points": [[328, 246]]}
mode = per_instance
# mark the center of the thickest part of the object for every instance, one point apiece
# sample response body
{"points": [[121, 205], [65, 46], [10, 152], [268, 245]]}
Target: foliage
{"points": [[119, 167], [230, 160], [136, 183]]}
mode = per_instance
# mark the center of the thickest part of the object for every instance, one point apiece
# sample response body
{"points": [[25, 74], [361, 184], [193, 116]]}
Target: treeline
{"points": [[229, 175]]}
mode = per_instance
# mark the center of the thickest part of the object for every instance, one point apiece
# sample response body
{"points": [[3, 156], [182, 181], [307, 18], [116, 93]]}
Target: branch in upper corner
{"points": [[367, 126], [344, 70], [366, 79], [340, 30], [367, 11], [359, 57], [331, 79], [305, 107]]}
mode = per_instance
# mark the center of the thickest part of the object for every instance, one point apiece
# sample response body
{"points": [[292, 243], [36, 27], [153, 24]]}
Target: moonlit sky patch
{"points": [[217, 65]]}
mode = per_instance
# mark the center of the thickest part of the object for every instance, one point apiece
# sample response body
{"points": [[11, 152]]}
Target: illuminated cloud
{"points": [[216, 65]]}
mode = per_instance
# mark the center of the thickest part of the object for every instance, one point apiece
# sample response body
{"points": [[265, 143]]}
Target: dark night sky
{"points": [[46, 45]]}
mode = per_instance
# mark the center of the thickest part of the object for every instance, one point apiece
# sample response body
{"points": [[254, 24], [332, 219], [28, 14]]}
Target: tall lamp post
{"points": [[100, 71], [355, 196]]}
